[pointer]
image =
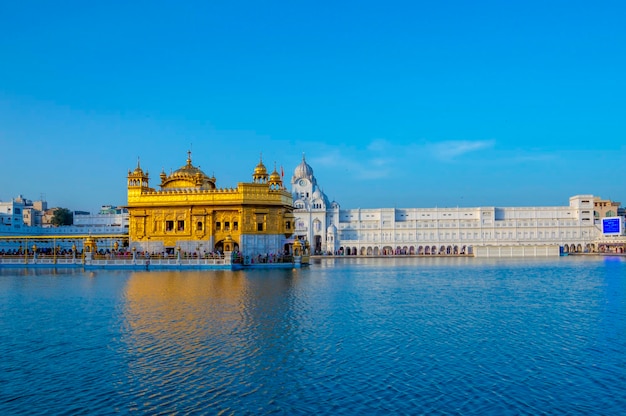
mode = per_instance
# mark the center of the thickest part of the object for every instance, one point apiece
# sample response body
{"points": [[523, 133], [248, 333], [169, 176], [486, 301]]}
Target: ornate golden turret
{"points": [[275, 181], [138, 180], [260, 172]]}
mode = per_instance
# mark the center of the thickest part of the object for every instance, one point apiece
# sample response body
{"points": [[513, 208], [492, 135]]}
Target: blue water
{"points": [[351, 336]]}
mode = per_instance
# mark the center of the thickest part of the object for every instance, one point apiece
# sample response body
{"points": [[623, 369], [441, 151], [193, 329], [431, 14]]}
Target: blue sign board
{"points": [[612, 225]]}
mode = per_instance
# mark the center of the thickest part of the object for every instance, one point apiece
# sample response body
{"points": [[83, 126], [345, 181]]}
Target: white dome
{"points": [[303, 170]]}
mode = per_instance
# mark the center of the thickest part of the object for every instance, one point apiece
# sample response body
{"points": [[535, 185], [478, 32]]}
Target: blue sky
{"points": [[406, 104]]}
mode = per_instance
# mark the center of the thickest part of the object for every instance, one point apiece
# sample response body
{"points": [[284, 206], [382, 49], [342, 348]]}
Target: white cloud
{"points": [[373, 162], [451, 149]]}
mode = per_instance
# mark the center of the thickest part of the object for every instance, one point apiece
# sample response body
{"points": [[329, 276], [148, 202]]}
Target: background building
{"points": [[315, 215], [603, 208], [108, 217], [570, 228]]}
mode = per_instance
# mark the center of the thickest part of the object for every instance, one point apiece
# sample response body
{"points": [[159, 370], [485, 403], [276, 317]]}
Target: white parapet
{"points": [[517, 251]]}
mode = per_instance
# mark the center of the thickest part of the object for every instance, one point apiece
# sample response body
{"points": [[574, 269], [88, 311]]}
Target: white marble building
{"points": [[484, 231]]}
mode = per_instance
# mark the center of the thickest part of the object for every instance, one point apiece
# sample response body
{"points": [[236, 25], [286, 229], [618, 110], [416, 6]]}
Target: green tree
{"points": [[62, 216]]}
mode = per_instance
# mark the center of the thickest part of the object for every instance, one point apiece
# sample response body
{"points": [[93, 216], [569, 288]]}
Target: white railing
{"points": [[116, 262], [43, 260]]}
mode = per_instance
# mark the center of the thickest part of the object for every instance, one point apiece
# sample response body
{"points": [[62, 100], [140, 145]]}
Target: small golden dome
{"points": [[275, 176], [260, 169], [138, 171]]}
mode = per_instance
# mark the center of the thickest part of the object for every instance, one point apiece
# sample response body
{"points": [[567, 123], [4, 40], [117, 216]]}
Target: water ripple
{"points": [[408, 337]]}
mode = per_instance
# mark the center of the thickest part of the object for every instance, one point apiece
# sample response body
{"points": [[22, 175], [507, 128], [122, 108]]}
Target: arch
{"points": [[463, 249], [387, 250], [363, 251], [579, 248], [442, 250], [376, 251], [317, 225], [449, 250], [219, 246], [412, 251], [354, 251], [433, 250], [420, 250], [427, 250], [369, 251], [317, 244], [455, 250]]}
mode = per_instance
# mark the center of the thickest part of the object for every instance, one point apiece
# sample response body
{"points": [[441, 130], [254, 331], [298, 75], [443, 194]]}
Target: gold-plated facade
{"points": [[191, 213]]}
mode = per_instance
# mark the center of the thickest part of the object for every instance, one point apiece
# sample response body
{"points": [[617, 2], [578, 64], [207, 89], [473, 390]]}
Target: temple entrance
{"points": [[317, 244], [232, 245]]}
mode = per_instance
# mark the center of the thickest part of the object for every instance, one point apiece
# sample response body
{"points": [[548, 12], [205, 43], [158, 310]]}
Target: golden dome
{"points": [[138, 171], [260, 169], [275, 176], [188, 169], [260, 172], [187, 176]]}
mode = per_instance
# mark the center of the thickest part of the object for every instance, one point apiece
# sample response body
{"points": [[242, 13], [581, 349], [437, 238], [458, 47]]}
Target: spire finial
{"points": [[303, 159], [188, 157], [138, 166]]}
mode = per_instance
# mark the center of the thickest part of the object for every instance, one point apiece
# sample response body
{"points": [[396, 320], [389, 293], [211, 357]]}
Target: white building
{"points": [[109, 216], [315, 215], [481, 231], [11, 216], [16, 215]]}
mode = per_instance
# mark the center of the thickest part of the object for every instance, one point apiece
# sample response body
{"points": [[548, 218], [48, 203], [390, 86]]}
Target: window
{"points": [[288, 225], [181, 225], [235, 225], [199, 226], [169, 225], [260, 222], [218, 225], [226, 225]]}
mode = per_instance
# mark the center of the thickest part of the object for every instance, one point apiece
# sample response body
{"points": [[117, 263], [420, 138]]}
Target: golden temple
{"points": [[190, 213]]}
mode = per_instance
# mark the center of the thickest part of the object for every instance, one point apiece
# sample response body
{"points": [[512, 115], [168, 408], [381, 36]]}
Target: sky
{"points": [[394, 104]]}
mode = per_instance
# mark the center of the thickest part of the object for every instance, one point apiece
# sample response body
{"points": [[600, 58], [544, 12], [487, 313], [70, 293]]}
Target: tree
{"points": [[62, 216]]}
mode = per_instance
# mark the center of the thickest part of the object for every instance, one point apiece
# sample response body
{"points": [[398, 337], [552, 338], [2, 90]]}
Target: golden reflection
{"points": [[192, 312], [171, 302]]}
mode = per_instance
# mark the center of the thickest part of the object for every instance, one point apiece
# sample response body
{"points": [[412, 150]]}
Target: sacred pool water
{"points": [[351, 336]]}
